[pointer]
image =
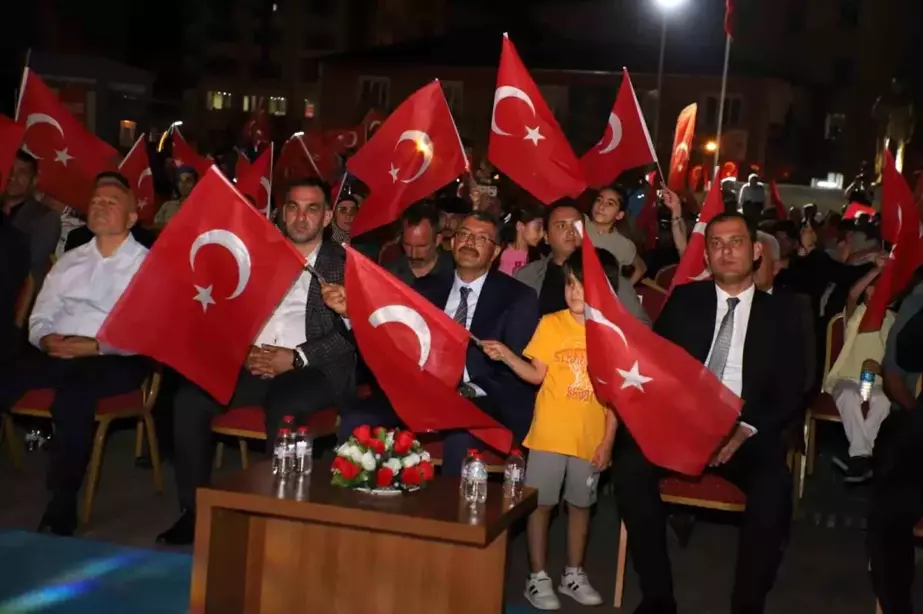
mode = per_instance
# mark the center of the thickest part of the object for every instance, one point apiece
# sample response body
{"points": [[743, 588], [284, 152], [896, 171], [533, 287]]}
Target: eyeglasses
{"points": [[462, 236]]}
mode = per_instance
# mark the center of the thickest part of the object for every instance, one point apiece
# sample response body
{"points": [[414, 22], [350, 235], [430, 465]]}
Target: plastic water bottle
{"points": [[283, 454], [476, 481], [866, 381], [514, 472], [304, 451], [464, 470]]}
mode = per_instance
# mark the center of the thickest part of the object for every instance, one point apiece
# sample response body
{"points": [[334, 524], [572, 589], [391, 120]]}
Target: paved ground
{"points": [[824, 569]]}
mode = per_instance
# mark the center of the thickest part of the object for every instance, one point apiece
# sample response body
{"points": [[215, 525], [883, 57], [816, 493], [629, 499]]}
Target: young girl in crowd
{"points": [[524, 230], [609, 209], [571, 437]]}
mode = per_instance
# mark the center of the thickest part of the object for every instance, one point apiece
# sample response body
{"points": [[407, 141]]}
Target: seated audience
{"points": [[602, 227], [570, 440], [491, 305], [75, 300], [83, 234], [419, 242], [343, 215], [525, 230], [186, 180], [302, 361]]}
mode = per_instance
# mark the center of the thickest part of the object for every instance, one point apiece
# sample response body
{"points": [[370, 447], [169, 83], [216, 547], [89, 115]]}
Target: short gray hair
{"points": [[771, 243]]}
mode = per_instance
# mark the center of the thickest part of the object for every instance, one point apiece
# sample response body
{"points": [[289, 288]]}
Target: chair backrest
{"points": [[24, 302], [652, 296], [836, 336], [664, 277]]}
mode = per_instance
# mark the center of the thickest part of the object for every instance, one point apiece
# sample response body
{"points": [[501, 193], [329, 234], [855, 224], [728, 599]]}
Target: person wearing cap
{"points": [[186, 180]]}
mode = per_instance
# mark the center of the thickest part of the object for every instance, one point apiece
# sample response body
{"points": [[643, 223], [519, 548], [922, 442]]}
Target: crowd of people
{"points": [[511, 273]]}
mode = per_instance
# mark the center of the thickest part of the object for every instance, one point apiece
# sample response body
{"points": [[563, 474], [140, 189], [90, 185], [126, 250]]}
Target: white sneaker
{"points": [[576, 586], [540, 592]]}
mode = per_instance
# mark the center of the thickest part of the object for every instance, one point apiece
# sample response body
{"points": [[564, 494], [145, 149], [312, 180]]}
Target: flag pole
{"points": [[724, 87]]}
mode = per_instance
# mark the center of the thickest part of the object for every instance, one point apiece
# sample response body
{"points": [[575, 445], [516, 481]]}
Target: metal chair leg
{"points": [[620, 567], [244, 453], [96, 461], [811, 450], [219, 454], [139, 439], [148, 422]]}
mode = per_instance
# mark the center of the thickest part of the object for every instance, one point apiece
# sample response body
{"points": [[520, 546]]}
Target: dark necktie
{"points": [[719, 353], [461, 313]]}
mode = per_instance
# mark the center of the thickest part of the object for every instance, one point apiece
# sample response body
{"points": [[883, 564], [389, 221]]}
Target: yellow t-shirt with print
{"points": [[568, 419]]}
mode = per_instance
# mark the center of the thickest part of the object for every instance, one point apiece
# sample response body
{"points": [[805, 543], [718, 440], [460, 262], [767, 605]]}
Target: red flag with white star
{"points": [[137, 170], [184, 155], [256, 181], [682, 148], [692, 265]]}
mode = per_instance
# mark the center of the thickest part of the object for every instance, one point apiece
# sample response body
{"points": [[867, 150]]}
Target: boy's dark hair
{"points": [[568, 203], [574, 266], [728, 216], [23, 156], [311, 182]]}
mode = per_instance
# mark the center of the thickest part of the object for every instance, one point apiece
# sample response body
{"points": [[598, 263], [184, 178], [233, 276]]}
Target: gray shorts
{"points": [[549, 471]]}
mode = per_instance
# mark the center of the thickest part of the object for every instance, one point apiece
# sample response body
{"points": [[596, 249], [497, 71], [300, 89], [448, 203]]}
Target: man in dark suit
{"points": [[744, 336], [491, 305], [302, 361]]}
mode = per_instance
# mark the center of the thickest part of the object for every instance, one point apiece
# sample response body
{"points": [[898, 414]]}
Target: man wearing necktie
{"points": [[749, 340], [492, 305]]}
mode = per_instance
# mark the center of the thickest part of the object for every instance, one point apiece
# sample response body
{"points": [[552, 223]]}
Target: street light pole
{"points": [[663, 48]]}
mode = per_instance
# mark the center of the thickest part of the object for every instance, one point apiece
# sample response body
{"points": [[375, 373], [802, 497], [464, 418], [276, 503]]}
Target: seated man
{"points": [[78, 294], [302, 362], [419, 242], [491, 305]]}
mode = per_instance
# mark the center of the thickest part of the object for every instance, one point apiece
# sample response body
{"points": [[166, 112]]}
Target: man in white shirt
{"points": [[752, 198], [77, 296], [302, 361], [748, 339]]}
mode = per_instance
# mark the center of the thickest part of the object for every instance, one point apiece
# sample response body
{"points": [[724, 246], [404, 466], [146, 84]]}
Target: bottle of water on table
{"points": [[866, 381], [283, 453], [304, 451], [464, 470], [514, 472], [476, 481]]}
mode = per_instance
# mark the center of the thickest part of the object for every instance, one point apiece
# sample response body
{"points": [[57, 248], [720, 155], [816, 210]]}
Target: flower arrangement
{"points": [[383, 460]]}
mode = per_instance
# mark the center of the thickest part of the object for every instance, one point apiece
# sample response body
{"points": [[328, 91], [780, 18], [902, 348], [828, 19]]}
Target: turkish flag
{"points": [[626, 142], [416, 352], [370, 124], [69, 156], [242, 164], [729, 18], [137, 170], [184, 155], [729, 169], [692, 266], [340, 140], [526, 142], [212, 279], [677, 411], [776, 199], [10, 140], [900, 210], [682, 148], [647, 217], [415, 152], [256, 128], [256, 181]]}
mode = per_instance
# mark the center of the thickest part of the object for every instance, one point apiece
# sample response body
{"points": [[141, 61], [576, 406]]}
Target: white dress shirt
{"points": [[286, 326], [733, 376], [82, 288], [451, 307], [754, 194]]}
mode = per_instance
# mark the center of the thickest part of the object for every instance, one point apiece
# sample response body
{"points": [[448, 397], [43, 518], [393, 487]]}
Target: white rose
{"points": [[411, 459], [394, 465], [355, 454], [368, 461], [389, 439], [425, 456]]}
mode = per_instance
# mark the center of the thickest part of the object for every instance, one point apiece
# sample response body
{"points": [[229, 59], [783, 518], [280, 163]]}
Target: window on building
{"points": [[849, 13], [375, 91], [455, 96], [218, 101], [310, 109], [843, 71], [733, 112], [127, 133], [834, 126], [277, 105]]}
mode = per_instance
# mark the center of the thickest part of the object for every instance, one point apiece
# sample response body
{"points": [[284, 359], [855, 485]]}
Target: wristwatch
{"points": [[297, 360]]}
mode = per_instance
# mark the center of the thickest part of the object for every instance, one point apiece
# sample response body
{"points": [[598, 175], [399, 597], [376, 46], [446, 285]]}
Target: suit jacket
{"points": [[773, 369], [507, 311], [42, 227], [329, 346], [800, 306]]}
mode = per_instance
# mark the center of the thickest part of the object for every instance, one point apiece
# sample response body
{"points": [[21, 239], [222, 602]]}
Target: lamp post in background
{"points": [[666, 7]]}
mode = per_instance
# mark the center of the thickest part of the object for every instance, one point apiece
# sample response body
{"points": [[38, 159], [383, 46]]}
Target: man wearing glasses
{"points": [[491, 305]]}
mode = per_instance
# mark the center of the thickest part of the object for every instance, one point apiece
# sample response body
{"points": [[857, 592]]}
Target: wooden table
{"points": [[262, 548]]}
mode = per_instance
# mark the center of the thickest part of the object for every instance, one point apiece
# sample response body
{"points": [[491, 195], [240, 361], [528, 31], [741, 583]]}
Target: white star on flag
{"points": [[633, 378], [533, 135], [62, 156], [142, 203], [393, 172], [204, 296]]}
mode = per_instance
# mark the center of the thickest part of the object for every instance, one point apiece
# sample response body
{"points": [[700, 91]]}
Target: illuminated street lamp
{"points": [[666, 7], [711, 146]]}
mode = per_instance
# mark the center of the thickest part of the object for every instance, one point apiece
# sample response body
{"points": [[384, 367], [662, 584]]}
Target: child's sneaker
{"points": [[540, 592], [575, 585]]}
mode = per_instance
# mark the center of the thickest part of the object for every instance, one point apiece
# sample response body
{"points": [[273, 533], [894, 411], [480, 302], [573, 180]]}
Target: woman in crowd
{"points": [[523, 233]]}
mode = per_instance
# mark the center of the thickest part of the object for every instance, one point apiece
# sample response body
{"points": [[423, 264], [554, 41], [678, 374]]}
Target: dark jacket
{"points": [[400, 268], [42, 228]]}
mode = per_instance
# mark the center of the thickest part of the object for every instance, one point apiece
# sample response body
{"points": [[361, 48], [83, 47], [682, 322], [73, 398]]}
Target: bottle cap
{"points": [[516, 452], [472, 451], [285, 431], [288, 419], [302, 430]]}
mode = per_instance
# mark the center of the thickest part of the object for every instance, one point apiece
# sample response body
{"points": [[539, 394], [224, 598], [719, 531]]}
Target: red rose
{"points": [[384, 477], [363, 434], [349, 470], [411, 476], [379, 431], [377, 446], [426, 470], [403, 442]]}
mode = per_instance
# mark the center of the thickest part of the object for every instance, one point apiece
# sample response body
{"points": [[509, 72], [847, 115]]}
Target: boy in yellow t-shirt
{"points": [[570, 441]]}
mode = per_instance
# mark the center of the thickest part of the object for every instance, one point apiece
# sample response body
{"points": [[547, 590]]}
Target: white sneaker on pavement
{"points": [[540, 592], [575, 585]]}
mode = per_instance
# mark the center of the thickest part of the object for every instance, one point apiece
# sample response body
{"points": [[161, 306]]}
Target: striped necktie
{"points": [[461, 313], [719, 353]]}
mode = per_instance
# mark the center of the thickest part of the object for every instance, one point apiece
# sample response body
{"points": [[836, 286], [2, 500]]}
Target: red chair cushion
{"points": [[433, 444], [253, 420], [825, 406], [709, 487], [664, 276], [41, 398], [651, 300]]}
